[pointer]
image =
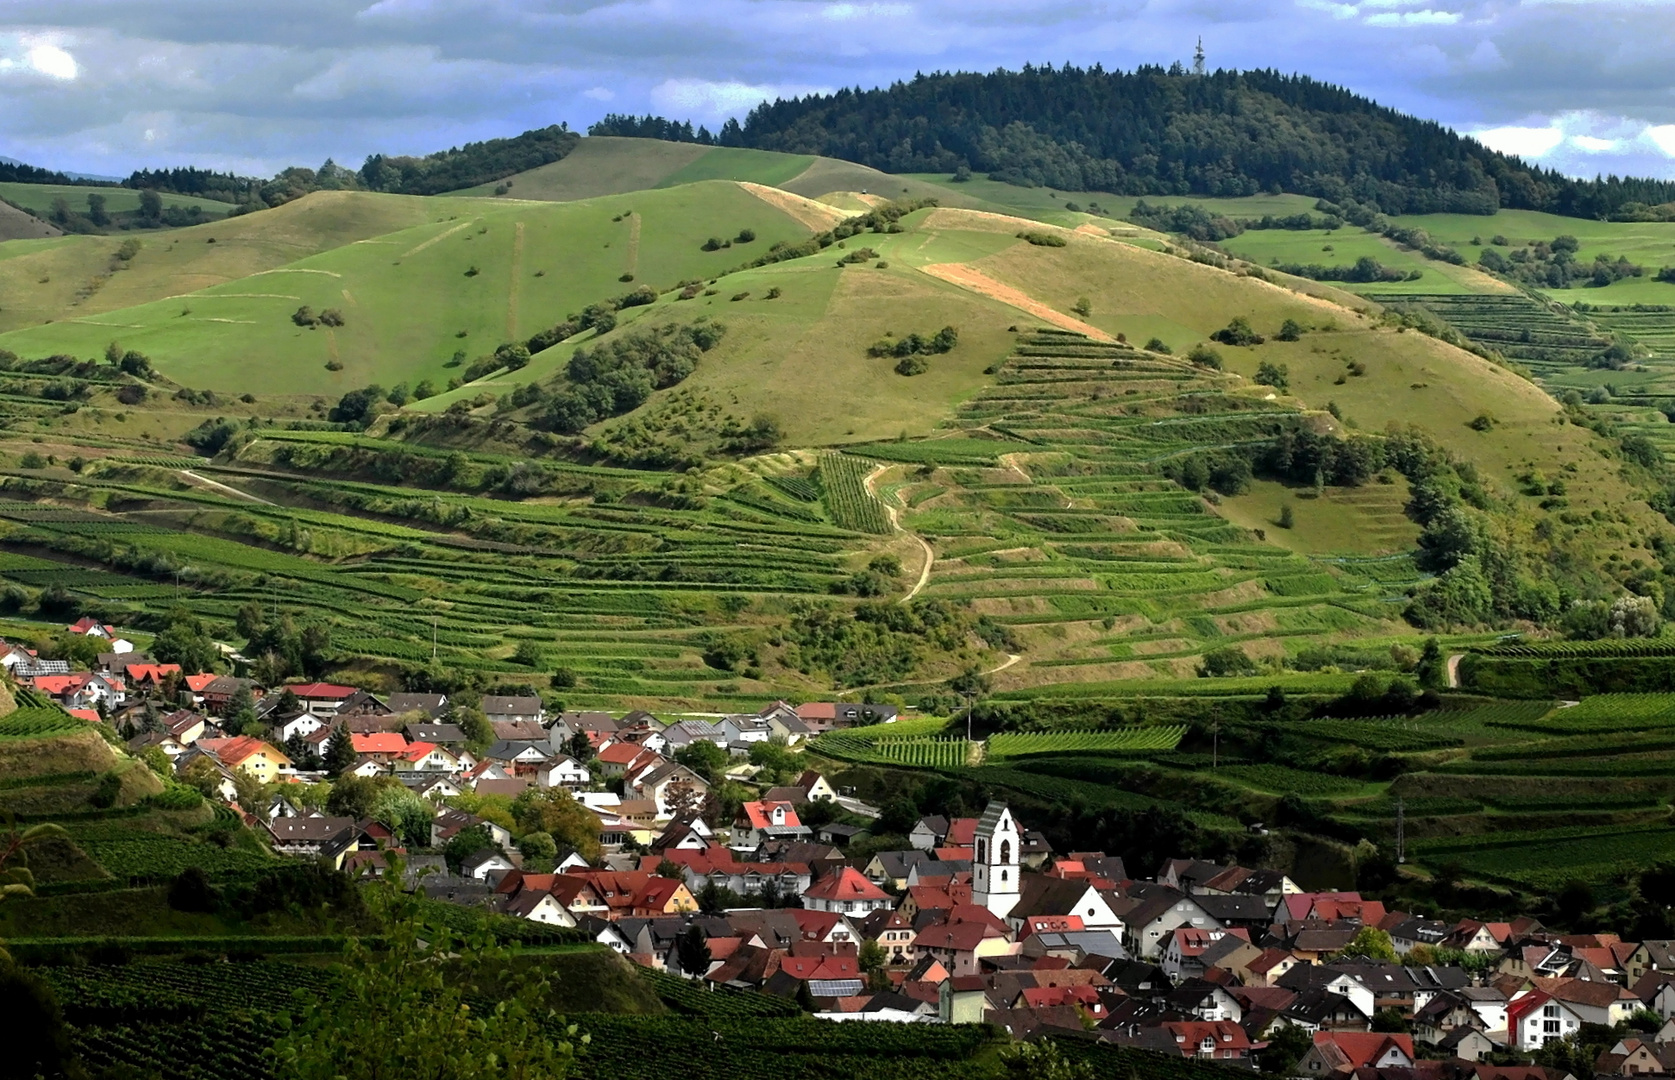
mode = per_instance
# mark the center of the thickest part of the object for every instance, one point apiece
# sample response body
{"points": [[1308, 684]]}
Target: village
{"points": [[705, 847]]}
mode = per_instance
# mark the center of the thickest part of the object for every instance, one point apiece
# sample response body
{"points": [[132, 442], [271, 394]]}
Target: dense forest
{"points": [[1157, 131], [16, 172]]}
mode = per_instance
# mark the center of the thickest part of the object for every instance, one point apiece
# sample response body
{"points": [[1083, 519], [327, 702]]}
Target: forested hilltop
{"points": [[1157, 131]]}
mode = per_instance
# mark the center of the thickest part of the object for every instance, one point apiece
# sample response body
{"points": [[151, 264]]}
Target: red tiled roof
{"points": [[152, 672], [962, 832], [760, 815], [817, 710], [1363, 1048], [61, 684], [379, 742], [623, 753], [321, 690], [847, 884], [196, 683], [90, 715], [415, 751], [232, 751]]}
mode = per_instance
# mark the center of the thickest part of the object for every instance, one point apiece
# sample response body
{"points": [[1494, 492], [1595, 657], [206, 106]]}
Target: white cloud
{"points": [[1663, 137], [25, 55], [1593, 145], [706, 100], [1428, 17], [1486, 57], [846, 12], [1525, 142], [598, 93]]}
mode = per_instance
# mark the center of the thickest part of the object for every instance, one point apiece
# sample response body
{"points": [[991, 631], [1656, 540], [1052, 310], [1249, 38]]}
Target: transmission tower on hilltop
{"points": [[1198, 57]]}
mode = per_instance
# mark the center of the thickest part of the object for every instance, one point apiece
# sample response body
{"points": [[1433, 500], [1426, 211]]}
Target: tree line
{"points": [[1157, 131]]}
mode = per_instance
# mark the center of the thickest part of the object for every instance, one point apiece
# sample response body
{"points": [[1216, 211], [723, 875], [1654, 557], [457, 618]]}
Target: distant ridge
{"points": [[1156, 131]]}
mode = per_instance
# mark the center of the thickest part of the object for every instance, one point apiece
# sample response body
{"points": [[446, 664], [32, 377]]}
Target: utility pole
{"points": [[433, 618], [1198, 57], [1215, 744], [1401, 838]]}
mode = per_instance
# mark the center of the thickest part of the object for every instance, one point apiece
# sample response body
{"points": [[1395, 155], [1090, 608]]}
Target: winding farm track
{"points": [[1454, 670], [891, 512]]}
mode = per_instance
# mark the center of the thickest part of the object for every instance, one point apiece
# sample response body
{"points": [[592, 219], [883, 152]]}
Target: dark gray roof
{"points": [[442, 734], [496, 705], [434, 704]]}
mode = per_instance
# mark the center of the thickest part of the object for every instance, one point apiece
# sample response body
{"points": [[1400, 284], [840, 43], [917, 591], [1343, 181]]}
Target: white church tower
{"points": [[994, 868]]}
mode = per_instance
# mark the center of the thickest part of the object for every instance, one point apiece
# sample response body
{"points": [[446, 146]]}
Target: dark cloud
{"points": [[104, 86]]}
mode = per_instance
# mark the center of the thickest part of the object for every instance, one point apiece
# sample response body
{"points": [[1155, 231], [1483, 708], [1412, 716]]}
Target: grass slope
{"points": [[38, 198], [74, 277], [410, 298]]}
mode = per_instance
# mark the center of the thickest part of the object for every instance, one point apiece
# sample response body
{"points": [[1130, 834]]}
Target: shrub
{"points": [[1226, 661], [1277, 376], [304, 316], [745, 236], [773, 294], [912, 365], [714, 243], [626, 277], [1205, 357], [1158, 345], [1482, 422], [1287, 518], [1042, 239], [1083, 307], [1290, 330], [1238, 332]]}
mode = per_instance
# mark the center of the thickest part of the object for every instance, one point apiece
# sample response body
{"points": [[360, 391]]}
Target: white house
{"points": [[562, 771]]}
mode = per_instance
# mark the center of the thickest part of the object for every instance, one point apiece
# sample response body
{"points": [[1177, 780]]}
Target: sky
{"points": [[107, 86]]}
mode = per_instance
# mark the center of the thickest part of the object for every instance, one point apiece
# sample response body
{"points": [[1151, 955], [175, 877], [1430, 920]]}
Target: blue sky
{"points": [[104, 86]]}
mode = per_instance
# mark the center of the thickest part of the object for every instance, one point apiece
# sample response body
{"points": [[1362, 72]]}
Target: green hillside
{"points": [[476, 275], [1042, 468], [78, 276], [38, 199], [609, 165]]}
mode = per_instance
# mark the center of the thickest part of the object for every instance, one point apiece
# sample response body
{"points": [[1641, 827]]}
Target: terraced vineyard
{"points": [[1128, 741], [1060, 522], [1544, 337]]}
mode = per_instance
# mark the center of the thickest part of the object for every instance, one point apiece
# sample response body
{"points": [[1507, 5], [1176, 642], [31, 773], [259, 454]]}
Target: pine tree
{"points": [[340, 751]]}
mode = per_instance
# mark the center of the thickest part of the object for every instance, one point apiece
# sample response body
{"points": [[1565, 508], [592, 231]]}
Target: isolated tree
{"points": [[151, 207], [704, 758], [96, 212], [340, 751], [692, 951]]}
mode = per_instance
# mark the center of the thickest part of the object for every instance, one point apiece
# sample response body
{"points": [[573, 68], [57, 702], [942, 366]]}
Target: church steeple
{"points": [[994, 867]]}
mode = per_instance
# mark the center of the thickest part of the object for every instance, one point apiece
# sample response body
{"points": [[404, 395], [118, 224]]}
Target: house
{"points": [[448, 735], [894, 933], [185, 725], [432, 786], [961, 944], [144, 678], [745, 729], [246, 754], [563, 771], [82, 689], [786, 724], [1341, 1053], [683, 733], [425, 757], [1183, 956], [845, 892], [484, 863], [1148, 919], [381, 746], [307, 835], [520, 757], [1218, 1040], [321, 699], [1467, 1044], [501, 709], [1535, 1018], [673, 787], [759, 822], [829, 715], [300, 726], [91, 627], [434, 706], [541, 907], [625, 758], [1629, 1057], [450, 822]]}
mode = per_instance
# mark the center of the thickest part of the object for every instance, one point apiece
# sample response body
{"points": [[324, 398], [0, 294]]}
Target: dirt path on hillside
{"points": [[517, 283], [223, 488], [437, 239], [1454, 669], [813, 215], [868, 483], [978, 282], [633, 242]]}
